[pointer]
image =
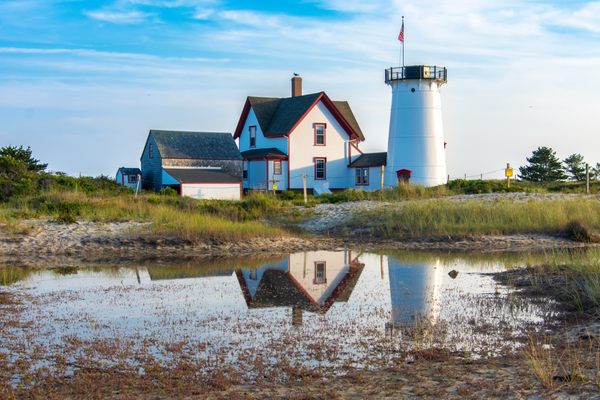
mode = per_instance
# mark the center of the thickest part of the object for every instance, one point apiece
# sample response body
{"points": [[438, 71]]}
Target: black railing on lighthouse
{"points": [[430, 72]]}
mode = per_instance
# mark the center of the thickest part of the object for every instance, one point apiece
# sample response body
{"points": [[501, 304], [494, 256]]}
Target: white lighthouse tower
{"points": [[416, 147]]}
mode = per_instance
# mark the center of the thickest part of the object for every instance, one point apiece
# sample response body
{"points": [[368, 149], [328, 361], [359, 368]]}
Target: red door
{"points": [[403, 175]]}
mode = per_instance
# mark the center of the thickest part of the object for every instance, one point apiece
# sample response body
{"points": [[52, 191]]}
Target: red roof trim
{"points": [[242, 120], [356, 147], [322, 96]]}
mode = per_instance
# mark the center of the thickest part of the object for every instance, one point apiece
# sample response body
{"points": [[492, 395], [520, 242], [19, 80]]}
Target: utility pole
{"points": [[587, 178], [304, 187]]}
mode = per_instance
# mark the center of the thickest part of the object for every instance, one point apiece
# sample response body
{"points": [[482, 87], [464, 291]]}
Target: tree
{"points": [[543, 166], [575, 167], [24, 155], [15, 178], [595, 172]]}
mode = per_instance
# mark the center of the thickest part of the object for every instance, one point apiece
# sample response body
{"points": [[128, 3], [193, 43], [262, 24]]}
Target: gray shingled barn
{"points": [[203, 165]]}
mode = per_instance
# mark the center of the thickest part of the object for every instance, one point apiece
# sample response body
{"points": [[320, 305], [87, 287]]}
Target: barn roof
{"points": [[129, 171], [278, 116], [196, 145], [369, 160], [201, 175]]}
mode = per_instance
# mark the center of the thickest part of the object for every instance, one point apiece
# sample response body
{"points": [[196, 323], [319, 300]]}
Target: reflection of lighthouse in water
{"points": [[415, 291]]}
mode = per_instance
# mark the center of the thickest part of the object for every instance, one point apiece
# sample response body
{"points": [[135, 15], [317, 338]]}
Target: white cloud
{"points": [[203, 13], [118, 17]]}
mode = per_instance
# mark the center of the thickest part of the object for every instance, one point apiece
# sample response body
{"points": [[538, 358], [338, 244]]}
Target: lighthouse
{"points": [[416, 147]]}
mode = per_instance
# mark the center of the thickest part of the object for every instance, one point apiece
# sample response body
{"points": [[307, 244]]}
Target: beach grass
{"points": [[447, 218], [180, 217]]}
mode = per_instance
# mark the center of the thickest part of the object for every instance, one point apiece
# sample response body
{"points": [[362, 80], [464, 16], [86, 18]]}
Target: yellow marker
{"points": [[508, 172], [274, 186]]}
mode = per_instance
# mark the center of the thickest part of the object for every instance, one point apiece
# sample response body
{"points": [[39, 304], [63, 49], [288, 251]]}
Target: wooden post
{"points": [[304, 187], [382, 176], [448, 179], [587, 178], [137, 186], [508, 177]]}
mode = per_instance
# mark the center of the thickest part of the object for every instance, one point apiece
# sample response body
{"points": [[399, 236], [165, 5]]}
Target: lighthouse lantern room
{"points": [[416, 147]]}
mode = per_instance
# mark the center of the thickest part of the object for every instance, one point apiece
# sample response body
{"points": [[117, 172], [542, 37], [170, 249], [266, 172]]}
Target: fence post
{"points": [[304, 187], [587, 178], [382, 175]]}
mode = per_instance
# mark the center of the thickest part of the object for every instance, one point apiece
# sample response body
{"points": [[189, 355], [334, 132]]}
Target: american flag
{"points": [[401, 34]]}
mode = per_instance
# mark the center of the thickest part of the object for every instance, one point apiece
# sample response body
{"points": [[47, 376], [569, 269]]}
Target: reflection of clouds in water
{"points": [[343, 305]]}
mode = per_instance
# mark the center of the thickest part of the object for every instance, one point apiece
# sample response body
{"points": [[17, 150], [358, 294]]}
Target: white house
{"points": [[284, 140], [310, 281], [128, 177]]}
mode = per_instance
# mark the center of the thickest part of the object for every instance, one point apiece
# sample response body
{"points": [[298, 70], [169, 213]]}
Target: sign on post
{"points": [[508, 172]]}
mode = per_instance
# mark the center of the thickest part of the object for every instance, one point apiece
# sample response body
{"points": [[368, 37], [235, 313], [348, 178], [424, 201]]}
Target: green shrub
{"points": [[168, 191], [15, 178]]}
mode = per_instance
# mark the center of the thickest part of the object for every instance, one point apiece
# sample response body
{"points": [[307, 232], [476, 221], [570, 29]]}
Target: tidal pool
{"points": [[321, 309]]}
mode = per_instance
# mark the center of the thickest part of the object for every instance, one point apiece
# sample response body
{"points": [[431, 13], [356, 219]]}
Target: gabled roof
{"points": [[201, 175], [129, 171], [279, 289], [369, 160], [263, 153], [196, 145], [279, 116]]}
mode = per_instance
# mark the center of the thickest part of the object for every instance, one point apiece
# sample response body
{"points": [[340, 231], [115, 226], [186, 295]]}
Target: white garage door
{"points": [[221, 191]]}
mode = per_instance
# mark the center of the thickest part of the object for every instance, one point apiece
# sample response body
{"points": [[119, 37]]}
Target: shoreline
{"points": [[88, 242]]}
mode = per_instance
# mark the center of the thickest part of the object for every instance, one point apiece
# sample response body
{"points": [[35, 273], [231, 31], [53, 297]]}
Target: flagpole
{"points": [[403, 46]]}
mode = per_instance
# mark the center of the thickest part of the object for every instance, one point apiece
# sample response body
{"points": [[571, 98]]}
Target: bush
{"points": [[168, 191], [15, 178]]}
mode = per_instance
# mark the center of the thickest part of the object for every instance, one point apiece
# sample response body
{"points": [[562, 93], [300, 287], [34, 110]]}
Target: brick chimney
{"points": [[296, 85]]}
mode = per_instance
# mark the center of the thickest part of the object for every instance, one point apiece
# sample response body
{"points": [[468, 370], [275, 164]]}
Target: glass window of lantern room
{"points": [[252, 131]]}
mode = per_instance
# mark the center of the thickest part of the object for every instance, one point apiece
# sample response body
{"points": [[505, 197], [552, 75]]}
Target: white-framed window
{"points": [[320, 129], [320, 273], [132, 178], [361, 176], [245, 170], [320, 168], [150, 150], [252, 131], [253, 275], [276, 167]]}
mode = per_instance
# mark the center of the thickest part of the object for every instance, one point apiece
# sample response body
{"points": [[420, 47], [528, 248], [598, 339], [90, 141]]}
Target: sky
{"points": [[82, 82]]}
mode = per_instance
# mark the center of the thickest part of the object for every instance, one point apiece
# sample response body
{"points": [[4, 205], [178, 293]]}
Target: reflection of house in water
{"points": [[415, 291], [310, 281]]}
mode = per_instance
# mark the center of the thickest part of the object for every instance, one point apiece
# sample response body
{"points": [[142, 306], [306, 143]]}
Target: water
{"points": [[325, 309]]}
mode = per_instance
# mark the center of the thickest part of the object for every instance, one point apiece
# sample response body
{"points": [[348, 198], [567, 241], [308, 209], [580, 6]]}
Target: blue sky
{"points": [[82, 82]]}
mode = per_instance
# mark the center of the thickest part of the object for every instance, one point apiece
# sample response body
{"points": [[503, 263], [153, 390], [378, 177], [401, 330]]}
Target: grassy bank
{"points": [[442, 218], [179, 217]]}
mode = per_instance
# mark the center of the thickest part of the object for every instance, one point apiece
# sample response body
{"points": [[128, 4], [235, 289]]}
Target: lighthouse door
{"points": [[403, 175]]}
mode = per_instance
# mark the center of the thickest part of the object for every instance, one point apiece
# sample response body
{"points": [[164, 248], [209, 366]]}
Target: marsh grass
{"points": [[541, 360], [442, 218], [180, 217]]}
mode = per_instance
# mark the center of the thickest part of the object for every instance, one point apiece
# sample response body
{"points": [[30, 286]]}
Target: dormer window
{"points": [[252, 131], [319, 134]]}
